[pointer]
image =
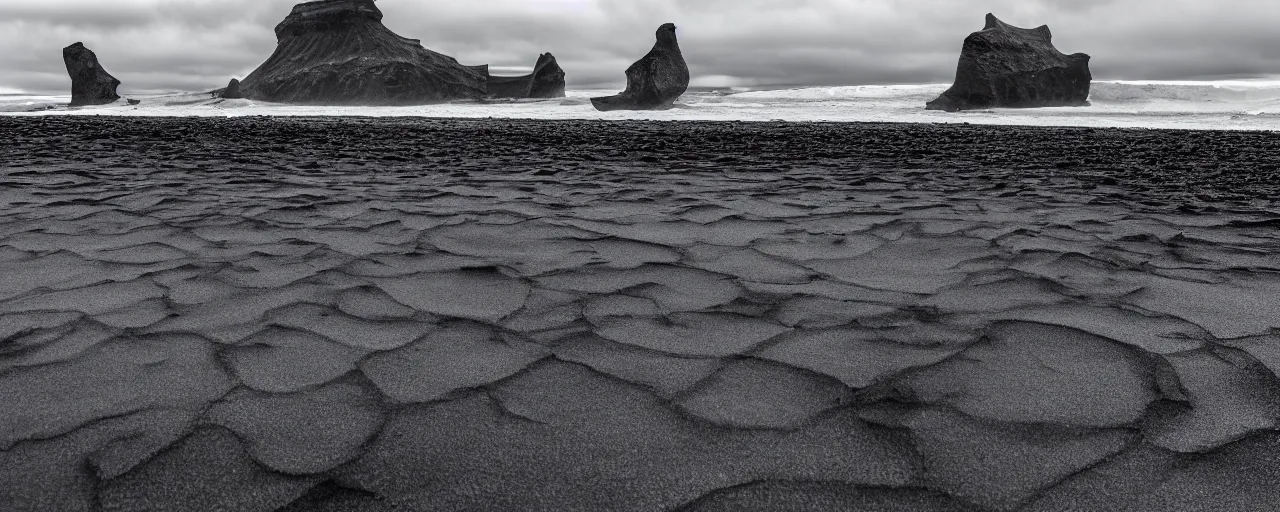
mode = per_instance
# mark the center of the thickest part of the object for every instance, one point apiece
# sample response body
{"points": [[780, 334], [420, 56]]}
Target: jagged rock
{"points": [[90, 84], [546, 81], [654, 81], [232, 91], [1006, 66], [337, 52]]}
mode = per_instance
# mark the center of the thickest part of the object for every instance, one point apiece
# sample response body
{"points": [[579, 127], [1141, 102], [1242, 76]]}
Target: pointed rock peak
{"points": [[1041, 32], [993, 22], [667, 33], [546, 81]]}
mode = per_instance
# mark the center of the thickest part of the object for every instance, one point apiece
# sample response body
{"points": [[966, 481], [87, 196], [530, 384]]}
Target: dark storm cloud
{"points": [[155, 45]]}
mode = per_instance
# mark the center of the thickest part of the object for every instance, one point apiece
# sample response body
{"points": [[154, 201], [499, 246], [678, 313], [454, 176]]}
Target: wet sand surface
{"points": [[417, 314]]}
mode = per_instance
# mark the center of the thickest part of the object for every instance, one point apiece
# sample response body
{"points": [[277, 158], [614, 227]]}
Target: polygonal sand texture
{"points": [[91, 300], [692, 334], [1230, 397], [1002, 466], [1033, 373], [477, 295], [350, 331], [857, 357], [208, 470], [456, 357], [59, 473], [1238, 476], [280, 360], [672, 288], [834, 496], [666, 374], [303, 433], [911, 265], [1229, 309], [372, 303], [563, 437], [447, 314], [755, 394], [110, 379]]}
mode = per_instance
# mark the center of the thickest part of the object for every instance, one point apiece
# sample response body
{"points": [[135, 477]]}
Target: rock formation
{"points": [[546, 81], [90, 84], [232, 91], [654, 81], [1006, 66], [337, 52]]}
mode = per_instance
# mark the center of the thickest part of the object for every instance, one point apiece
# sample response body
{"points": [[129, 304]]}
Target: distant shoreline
{"points": [[1243, 81], [1250, 106]]}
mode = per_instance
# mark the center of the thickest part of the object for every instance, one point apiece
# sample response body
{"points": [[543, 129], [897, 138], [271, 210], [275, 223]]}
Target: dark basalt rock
{"points": [[654, 81], [90, 84], [337, 52], [546, 81], [1006, 66], [232, 91]]}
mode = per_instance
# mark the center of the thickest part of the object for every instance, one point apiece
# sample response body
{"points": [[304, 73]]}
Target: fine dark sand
{"points": [[417, 314]]}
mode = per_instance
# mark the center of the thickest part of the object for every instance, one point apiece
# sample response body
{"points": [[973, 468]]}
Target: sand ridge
{"points": [[314, 314]]}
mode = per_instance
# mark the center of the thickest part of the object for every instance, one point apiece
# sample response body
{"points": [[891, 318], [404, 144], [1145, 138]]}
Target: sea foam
{"points": [[1237, 105]]}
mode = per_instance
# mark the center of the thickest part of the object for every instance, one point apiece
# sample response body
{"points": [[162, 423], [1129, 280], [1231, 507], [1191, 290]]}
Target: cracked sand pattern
{"points": [[314, 314]]}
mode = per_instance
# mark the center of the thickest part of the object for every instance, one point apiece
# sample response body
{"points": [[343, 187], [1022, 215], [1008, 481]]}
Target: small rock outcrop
{"points": [[546, 81], [90, 84], [1006, 66], [654, 81], [338, 52], [232, 92]]}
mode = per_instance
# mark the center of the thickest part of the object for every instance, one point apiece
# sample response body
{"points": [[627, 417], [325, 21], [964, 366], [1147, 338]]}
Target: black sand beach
{"points": [[424, 314], [1142, 168]]}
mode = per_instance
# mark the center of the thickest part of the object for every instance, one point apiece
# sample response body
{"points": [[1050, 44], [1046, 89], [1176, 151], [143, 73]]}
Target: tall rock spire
{"points": [[90, 84], [656, 80]]}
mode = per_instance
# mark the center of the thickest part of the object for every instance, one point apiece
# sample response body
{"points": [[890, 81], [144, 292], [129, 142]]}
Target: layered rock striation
{"points": [[338, 52], [655, 81], [546, 81], [90, 84], [1006, 66]]}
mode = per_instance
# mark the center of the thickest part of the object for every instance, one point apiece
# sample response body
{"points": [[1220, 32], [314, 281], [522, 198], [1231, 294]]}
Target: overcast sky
{"points": [[196, 45]]}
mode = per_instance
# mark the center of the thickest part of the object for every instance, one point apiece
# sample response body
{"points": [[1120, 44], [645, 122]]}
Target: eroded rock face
{"points": [[90, 84], [1006, 66], [546, 81], [654, 81], [233, 90], [337, 52]]}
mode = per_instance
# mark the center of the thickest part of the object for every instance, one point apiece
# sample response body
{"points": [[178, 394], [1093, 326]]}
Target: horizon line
{"points": [[8, 91]]}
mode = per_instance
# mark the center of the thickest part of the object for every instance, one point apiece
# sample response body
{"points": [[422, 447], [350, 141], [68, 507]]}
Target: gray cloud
{"points": [[191, 45]]}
